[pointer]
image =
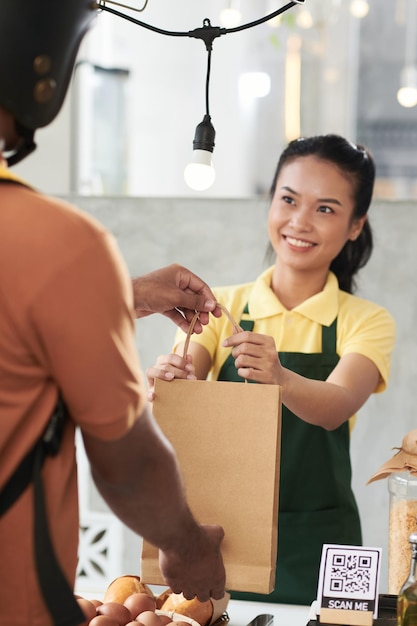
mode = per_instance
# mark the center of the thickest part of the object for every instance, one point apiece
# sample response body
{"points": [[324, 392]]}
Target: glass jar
{"points": [[402, 522]]}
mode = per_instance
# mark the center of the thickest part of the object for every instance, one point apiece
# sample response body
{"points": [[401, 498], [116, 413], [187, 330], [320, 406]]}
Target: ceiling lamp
{"points": [[231, 15], [407, 93], [359, 8], [199, 174], [305, 19], [254, 85]]}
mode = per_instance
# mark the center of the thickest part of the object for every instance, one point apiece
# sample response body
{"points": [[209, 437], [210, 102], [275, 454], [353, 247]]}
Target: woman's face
{"points": [[310, 217]]}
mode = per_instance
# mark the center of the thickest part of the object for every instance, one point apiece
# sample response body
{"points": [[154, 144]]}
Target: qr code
{"points": [[350, 573]]}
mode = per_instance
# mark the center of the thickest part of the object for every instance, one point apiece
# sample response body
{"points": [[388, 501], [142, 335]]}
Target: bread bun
{"points": [[123, 587], [163, 597], [201, 612]]}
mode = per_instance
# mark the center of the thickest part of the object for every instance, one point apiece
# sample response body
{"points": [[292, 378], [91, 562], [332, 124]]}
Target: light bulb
{"points": [[304, 19], [407, 93], [254, 85], [200, 173], [359, 8], [230, 17], [407, 96]]}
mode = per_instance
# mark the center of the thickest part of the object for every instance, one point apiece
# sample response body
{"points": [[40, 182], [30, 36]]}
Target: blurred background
{"points": [[323, 66]]}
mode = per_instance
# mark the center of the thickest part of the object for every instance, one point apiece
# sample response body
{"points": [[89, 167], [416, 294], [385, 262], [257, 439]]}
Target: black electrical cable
{"points": [[207, 33], [126, 6], [208, 81]]}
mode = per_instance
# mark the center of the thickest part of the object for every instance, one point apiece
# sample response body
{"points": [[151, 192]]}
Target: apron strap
{"points": [[57, 593], [246, 324], [328, 333], [329, 337]]}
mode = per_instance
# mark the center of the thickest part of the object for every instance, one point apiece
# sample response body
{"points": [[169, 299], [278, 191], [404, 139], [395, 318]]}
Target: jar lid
{"points": [[405, 460]]}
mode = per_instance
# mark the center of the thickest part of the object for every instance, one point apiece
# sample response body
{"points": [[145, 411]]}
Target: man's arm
{"points": [[139, 478], [177, 293]]}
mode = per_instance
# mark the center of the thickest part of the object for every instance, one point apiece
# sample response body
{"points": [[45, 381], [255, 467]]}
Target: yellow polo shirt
{"points": [[362, 326]]}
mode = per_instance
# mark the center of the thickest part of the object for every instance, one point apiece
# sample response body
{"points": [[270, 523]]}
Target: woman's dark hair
{"points": [[357, 163]]}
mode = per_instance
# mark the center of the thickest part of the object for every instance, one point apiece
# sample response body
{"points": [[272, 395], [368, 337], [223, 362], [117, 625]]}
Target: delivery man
{"points": [[67, 350]]}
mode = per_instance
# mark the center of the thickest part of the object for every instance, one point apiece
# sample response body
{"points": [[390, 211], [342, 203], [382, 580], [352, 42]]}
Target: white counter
{"points": [[242, 612]]}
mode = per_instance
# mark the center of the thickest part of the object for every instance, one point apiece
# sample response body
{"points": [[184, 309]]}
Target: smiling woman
{"points": [[311, 218], [335, 188], [303, 329]]}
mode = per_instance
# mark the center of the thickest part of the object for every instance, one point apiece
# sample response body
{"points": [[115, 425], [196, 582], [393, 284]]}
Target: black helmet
{"points": [[39, 41]]}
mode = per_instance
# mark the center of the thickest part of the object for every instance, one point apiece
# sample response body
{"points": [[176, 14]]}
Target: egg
{"points": [[140, 602], [118, 612], [87, 608], [165, 619], [149, 618], [103, 620]]}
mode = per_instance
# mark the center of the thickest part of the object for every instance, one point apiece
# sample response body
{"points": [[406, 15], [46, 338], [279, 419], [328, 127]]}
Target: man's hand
{"points": [[196, 568], [177, 293]]}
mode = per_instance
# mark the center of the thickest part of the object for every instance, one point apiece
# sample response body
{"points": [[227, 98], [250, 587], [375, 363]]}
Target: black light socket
{"points": [[204, 135]]}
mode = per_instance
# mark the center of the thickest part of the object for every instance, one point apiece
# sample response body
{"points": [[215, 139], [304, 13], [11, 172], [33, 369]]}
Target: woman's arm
{"points": [[334, 401], [323, 403]]}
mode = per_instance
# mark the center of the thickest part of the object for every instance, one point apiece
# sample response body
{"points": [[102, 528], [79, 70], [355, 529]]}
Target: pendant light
{"points": [[199, 174], [231, 15], [359, 8], [407, 93]]}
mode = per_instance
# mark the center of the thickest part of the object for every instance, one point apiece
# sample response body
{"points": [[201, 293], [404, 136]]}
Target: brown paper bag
{"points": [[227, 437]]}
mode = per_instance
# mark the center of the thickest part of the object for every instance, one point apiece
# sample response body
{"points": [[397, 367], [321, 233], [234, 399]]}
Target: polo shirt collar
{"points": [[6, 174], [321, 308]]}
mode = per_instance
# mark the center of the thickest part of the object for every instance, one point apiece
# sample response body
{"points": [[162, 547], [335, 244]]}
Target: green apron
{"points": [[316, 502]]}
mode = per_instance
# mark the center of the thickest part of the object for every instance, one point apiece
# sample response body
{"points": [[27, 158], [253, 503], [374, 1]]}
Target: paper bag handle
{"points": [[236, 327]]}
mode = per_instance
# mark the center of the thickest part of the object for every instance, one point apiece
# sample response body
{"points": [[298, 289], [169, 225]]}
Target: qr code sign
{"points": [[349, 577]]}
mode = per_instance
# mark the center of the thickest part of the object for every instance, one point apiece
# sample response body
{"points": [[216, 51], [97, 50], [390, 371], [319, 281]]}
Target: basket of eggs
{"points": [[130, 602]]}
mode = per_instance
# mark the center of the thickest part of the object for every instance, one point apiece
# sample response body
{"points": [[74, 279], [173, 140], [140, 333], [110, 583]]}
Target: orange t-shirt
{"points": [[66, 322]]}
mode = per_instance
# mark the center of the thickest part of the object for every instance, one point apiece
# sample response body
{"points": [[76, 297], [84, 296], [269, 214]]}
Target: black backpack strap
{"points": [[57, 593]]}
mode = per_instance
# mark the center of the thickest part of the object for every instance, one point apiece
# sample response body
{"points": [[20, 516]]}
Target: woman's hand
{"points": [[255, 357], [168, 367]]}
